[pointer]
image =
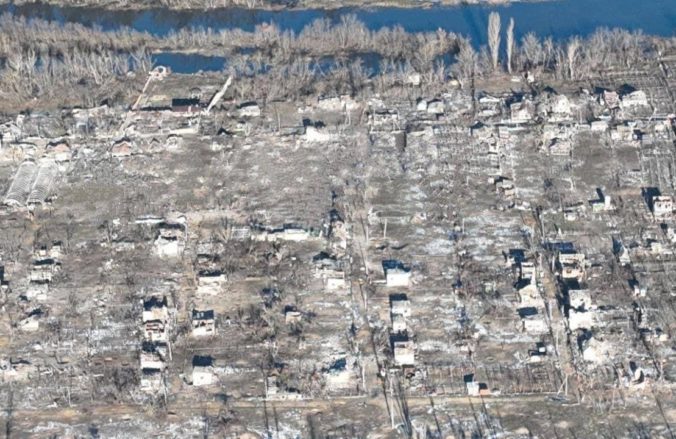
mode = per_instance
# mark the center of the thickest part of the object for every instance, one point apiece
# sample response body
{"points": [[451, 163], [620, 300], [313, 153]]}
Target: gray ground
{"points": [[430, 204]]}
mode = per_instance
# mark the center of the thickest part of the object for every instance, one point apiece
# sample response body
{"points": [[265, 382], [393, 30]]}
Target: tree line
{"points": [[38, 56], [573, 59]]}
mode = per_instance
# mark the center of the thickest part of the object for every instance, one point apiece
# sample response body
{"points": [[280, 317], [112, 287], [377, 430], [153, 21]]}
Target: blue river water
{"points": [[559, 19], [189, 62]]}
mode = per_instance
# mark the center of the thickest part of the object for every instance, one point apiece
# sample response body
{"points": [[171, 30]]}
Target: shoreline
{"points": [[192, 6]]}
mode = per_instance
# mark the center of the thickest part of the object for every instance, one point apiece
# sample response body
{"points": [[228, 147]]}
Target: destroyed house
{"points": [[404, 352], [339, 374], [560, 107], [595, 350], [156, 105], [31, 322], [210, 282], [522, 111], [532, 318], [602, 203], [152, 356], [571, 265], [271, 386], [535, 324], [42, 270], [155, 318], [15, 370], [202, 370], [571, 257], [155, 308], [559, 146], [571, 271], [292, 232], [624, 133], [489, 106], [579, 299], [9, 132], [249, 109], [339, 232], [324, 261], [185, 105], [580, 319], [44, 252], [151, 361], [203, 323], [504, 186], [155, 331], [37, 290], [636, 98], [59, 151], [170, 240], [399, 323], [662, 205], [527, 271], [330, 270], [151, 379], [396, 273], [170, 230], [292, 315], [400, 305], [482, 131], [475, 388], [287, 232], [538, 354], [122, 148], [528, 293]]}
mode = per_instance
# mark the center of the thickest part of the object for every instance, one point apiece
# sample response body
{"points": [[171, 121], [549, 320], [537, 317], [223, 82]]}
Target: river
{"points": [[559, 19]]}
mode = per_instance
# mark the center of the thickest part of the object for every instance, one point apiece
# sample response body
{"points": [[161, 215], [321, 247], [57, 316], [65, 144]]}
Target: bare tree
{"points": [[510, 44], [550, 53], [532, 53], [572, 55], [466, 63], [494, 37]]}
